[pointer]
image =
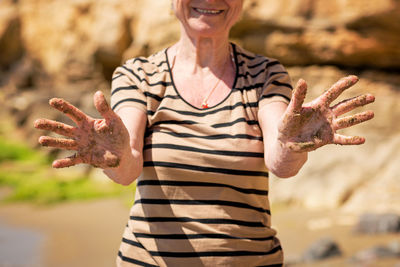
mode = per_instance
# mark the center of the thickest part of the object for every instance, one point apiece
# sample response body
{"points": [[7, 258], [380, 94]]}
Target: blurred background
{"points": [[342, 208]]}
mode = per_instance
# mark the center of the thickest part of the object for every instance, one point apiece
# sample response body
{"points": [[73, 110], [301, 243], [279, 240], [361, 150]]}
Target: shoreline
{"points": [[88, 233]]}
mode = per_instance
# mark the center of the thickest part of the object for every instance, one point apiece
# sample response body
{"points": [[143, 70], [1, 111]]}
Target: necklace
{"points": [[204, 103]]}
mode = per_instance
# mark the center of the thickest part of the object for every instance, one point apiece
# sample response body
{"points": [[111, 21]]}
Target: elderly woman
{"points": [[200, 125]]}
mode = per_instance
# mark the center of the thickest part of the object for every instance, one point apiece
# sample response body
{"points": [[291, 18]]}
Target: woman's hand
{"points": [[306, 127], [98, 142]]}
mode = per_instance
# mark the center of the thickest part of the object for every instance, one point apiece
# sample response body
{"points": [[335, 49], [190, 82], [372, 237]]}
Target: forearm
{"points": [[128, 170], [279, 159], [282, 161], [131, 163]]}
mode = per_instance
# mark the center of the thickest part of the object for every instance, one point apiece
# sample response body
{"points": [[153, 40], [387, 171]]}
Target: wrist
{"points": [[282, 161], [129, 168]]}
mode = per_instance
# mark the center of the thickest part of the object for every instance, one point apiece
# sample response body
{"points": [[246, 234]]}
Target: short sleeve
{"points": [[126, 89], [278, 86]]}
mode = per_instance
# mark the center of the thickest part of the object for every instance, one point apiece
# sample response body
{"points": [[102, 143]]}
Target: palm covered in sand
{"points": [[306, 127], [98, 142]]}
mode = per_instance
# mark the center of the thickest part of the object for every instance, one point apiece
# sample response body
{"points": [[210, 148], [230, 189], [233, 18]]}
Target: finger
{"points": [[55, 126], [348, 140], [67, 162], [102, 106], [352, 103], [354, 119], [332, 93], [298, 96], [292, 113], [58, 143], [70, 110]]}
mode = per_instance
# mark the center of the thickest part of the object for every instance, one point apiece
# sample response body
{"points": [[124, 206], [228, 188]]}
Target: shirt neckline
{"points": [[222, 101]]}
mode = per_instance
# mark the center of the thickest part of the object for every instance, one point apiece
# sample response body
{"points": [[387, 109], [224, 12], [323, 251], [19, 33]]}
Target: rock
{"points": [[80, 35], [368, 256], [111, 36], [152, 15], [296, 32], [24, 75], [347, 33], [99, 34], [10, 35], [378, 223], [395, 247], [322, 249], [385, 182]]}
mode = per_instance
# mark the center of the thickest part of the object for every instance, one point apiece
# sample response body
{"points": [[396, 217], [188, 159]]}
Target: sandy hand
{"points": [[98, 142], [306, 127]]}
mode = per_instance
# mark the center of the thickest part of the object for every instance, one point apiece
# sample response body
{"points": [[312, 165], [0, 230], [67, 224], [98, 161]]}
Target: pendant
{"points": [[204, 105]]}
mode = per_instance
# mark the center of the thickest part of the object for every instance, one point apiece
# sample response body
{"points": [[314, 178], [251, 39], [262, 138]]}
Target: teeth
{"points": [[205, 11]]}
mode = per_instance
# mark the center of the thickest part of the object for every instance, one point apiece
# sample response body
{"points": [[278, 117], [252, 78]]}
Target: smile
{"points": [[208, 11]]}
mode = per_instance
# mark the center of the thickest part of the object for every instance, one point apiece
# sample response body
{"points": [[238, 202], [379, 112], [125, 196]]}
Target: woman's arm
{"points": [[131, 165], [112, 143], [279, 160]]}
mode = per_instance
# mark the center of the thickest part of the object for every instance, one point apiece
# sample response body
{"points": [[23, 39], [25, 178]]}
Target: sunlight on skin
{"points": [[93, 139], [306, 127]]}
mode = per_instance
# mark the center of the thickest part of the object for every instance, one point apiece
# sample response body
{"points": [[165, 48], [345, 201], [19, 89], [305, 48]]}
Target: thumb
{"points": [[102, 106], [298, 96], [290, 118]]}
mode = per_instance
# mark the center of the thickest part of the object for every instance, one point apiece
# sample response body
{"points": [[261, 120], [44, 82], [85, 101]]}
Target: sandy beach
{"points": [[74, 234], [88, 234]]}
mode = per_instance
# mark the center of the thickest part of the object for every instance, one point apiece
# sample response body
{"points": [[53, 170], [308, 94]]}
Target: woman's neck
{"points": [[203, 70], [203, 53]]}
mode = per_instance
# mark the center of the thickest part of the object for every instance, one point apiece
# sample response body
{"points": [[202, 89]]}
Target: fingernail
{"points": [[370, 97], [354, 78], [56, 102], [43, 141], [55, 165], [371, 113], [36, 123], [53, 100]]}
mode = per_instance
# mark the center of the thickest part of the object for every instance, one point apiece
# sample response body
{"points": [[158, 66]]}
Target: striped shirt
{"points": [[202, 199]]}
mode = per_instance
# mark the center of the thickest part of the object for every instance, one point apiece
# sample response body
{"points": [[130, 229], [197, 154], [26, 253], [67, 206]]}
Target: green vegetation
{"points": [[26, 175], [11, 150]]}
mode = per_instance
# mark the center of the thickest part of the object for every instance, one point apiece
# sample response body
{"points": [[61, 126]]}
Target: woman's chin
{"points": [[202, 29]]}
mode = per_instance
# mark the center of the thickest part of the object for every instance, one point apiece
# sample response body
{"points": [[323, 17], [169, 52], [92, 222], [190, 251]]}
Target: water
{"points": [[19, 247]]}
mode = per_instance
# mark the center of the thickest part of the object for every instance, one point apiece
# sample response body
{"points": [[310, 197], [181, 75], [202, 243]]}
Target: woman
{"points": [[203, 122]]}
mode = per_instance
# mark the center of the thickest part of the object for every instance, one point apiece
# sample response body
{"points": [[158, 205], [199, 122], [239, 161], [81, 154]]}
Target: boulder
{"points": [[345, 33], [371, 223], [11, 48], [369, 256], [381, 193], [70, 38], [323, 248], [154, 28], [76, 38]]}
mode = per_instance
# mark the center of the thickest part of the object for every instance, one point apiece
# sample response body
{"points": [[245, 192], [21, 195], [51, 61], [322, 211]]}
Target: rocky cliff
{"points": [[70, 48]]}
